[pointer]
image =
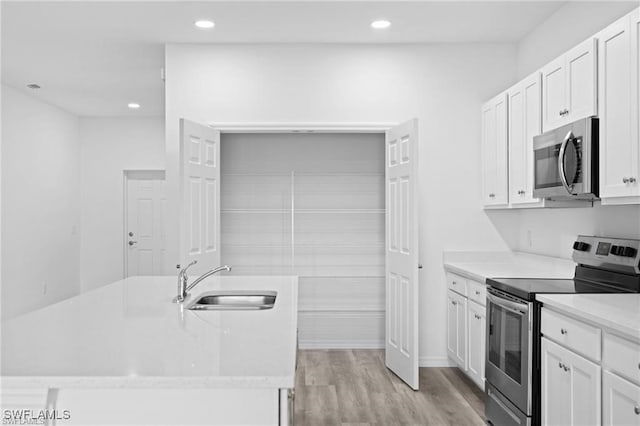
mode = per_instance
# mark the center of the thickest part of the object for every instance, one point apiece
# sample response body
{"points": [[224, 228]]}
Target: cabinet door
{"points": [[553, 94], [618, 150], [570, 387], [456, 329], [476, 317], [494, 152], [581, 66], [620, 401], [525, 122]]}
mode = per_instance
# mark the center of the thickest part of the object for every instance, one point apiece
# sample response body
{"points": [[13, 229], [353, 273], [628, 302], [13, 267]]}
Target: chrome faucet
{"points": [[183, 290]]}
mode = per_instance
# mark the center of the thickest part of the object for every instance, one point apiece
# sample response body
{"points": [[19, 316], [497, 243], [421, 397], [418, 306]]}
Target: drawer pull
{"points": [[477, 293], [453, 302], [560, 364], [453, 283], [637, 409], [563, 331]]}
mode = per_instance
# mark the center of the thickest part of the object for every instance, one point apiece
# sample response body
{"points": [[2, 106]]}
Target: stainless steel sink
{"points": [[234, 300]]}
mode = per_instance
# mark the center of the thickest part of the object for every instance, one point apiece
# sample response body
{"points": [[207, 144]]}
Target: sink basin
{"points": [[234, 300]]}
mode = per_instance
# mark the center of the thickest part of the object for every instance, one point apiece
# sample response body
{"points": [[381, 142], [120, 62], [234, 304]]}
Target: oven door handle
{"points": [[561, 155], [518, 308]]}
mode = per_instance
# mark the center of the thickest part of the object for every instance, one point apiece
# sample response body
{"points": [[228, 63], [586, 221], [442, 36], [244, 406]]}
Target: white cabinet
{"points": [[620, 401], [494, 152], [618, 109], [476, 317], [620, 381], [570, 387], [466, 325], [457, 328], [569, 86], [525, 122]]}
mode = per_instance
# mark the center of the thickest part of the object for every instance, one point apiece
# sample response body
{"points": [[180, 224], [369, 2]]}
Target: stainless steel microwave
{"points": [[566, 162]]}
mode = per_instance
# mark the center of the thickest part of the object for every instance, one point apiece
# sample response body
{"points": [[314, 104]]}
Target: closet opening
{"points": [[312, 205]]}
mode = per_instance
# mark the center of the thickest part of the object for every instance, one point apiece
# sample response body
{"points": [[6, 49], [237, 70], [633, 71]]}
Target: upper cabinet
{"points": [[619, 95], [524, 100], [494, 152], [569, 86]]}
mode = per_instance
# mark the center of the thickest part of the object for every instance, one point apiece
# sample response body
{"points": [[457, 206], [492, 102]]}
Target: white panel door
{"points": [[581, 82], [144, 231], [401, 278], [525, 122], [620, 401], [457, 329], [553, 95], [200, 195], [476, 318], [618, 149], [495, 171], [571, 387]]}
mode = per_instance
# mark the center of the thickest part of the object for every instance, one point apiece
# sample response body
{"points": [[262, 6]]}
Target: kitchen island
{"points": [[125, 354]]}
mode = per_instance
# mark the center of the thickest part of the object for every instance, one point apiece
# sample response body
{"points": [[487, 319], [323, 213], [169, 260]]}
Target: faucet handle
{"points": [[183, 271]]}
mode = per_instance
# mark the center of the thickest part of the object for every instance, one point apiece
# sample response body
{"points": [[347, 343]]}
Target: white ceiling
{"points": [[92, 58]]}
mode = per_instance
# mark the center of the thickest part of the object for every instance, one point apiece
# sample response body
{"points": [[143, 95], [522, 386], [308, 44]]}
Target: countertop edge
{"points": [[99, 382], [606, 323]]}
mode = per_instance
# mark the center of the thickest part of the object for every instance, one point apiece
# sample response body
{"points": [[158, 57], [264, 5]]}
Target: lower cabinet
{"points": [[620, 401], [570, 387], [476, 317], [466, 326], [457, 328]]}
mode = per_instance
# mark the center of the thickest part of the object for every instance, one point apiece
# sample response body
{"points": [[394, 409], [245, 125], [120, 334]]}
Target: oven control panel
{"points": [[612, 253]]}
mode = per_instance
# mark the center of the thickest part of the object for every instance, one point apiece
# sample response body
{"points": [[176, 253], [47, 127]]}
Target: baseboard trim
{"points": [[340, 344], [436, 361]]}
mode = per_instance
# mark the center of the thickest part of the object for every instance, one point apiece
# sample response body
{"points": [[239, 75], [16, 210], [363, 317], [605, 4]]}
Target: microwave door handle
{"points": [[561, 170]]}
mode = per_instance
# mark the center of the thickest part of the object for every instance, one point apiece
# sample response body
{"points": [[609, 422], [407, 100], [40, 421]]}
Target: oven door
{"points": [[509, 348]]}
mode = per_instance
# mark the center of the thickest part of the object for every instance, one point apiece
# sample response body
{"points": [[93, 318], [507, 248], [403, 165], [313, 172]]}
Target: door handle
{"points": [[131, 243], [561, 171]]}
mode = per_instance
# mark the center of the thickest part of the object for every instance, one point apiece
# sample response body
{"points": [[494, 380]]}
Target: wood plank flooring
{"points": [[353, 387]]}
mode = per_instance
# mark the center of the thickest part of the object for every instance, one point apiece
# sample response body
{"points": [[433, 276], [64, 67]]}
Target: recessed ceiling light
{"points": [[380, 24], [204, 24], [133, 105]]}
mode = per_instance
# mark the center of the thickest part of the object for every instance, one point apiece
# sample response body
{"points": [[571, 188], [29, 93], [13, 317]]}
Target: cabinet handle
{"points": [[637, 409], [566, 368], [563, 331], [492, 195], [477, 293], [477, 316], [453, 283], [559, 365], [625, 179], [632, 180], [453, 302]]}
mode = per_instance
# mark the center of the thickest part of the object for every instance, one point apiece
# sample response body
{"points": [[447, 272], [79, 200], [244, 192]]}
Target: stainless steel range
{"points": [[604, 265]]}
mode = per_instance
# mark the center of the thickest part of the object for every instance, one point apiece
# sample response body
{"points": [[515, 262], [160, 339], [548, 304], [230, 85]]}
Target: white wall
{"points": [[109, 146], [552, 232], [40, 203], [572, 23], [442, 85]]}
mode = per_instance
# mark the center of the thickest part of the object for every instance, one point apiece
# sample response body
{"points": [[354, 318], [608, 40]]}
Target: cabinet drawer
{"points": [[457, 284], [622, 356], [573, 334], [477, 292]]}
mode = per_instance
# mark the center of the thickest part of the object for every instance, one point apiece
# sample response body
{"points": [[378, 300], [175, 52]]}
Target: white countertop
{"points": [[479, 266], [130, 334], [619, 312]]}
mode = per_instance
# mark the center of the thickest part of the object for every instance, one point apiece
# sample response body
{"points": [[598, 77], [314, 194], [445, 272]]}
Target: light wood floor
{"points": [[353, 387]]}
